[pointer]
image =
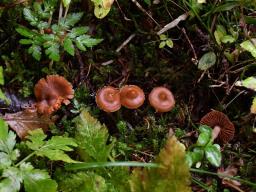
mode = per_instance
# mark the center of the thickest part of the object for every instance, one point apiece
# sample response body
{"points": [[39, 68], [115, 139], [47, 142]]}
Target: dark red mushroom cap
{"points": [[132, 96], [51, 92], [217, 118], [108, 99], [161, 99]]}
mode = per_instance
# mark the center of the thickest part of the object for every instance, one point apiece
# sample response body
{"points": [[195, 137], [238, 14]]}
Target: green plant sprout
{"points": [[204, 147], [16, 173], [165, 41], [54, 38]]}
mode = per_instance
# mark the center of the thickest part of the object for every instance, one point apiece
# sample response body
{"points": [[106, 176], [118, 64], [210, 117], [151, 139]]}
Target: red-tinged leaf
{"points": [[24, 121]]}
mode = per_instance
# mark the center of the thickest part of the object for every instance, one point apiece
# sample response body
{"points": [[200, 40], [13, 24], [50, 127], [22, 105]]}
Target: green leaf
{"points": [[30, 16], [169, 43], [36, 179], [207, 61], [35, 50], [72, 19], [80, 45], [99, 11], [163, 37], [13, 180], [68, 46], [203, 139], [4, 98], [54, 149], [148, 2], [1, 75], [250, 46], [3, 130], [26, 41], [228, 39], [25, 32], [5, 161], [81, 182], [53, 51], [249, 83], [205, 129], [219, 33], [162, 44], [66, 2], [173, 176], [213, 155], [78, 31], [92, 138], [87, 41]]}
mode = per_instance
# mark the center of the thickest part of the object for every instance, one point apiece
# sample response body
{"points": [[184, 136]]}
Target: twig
{"points": [[173, 24], [125, 18], [125, 42], [191, 45], [120, 48], [144, 11]]}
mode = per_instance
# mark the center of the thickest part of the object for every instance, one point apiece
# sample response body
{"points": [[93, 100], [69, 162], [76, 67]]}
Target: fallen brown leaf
{"points": [[24, 121]]}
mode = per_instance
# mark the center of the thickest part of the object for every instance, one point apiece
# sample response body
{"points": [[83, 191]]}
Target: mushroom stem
{"points": [[215, 132]]}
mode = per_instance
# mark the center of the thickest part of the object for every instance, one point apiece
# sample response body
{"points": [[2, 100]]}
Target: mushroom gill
{"points": [[51, 92], [222, 127]]}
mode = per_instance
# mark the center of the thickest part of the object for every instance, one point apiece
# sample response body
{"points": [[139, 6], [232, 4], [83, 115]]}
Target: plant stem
{"points": [[25, 159], [60, 12], [222, 175], [66, 12]]}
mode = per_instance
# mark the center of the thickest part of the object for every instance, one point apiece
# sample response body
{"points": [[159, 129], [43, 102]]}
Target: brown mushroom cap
{"points": [[108, 99], [51, 92], [161, 99], [220, 120], [132, 96]]}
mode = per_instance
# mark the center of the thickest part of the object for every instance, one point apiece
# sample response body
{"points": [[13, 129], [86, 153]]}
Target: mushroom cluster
{"points": [[110, 99], [223, 128], [51, 92]]}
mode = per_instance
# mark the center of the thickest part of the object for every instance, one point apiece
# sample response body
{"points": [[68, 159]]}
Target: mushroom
{"points": [[132, 96], [51, 92], [161, 99], [108, 99], [223, 128]]}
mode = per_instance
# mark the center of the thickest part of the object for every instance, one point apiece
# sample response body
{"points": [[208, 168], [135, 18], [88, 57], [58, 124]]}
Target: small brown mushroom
{"points": [[108, 99], [223, 128], [132, 96], [51, 92], [161, 99]]}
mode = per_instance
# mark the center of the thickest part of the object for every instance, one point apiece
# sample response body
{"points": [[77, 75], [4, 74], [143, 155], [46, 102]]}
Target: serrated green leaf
{"points": [[213, 155], [54, 149], [207, 61], [68, 46], [36, 179], [13, 180], [25, 32], [92, 138], [249, 46], [78, 31], [30, 16], [72, 19], [53, 51], [35, 51], [5, 161], [80, 45], [173, 176], [87, 41]]}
